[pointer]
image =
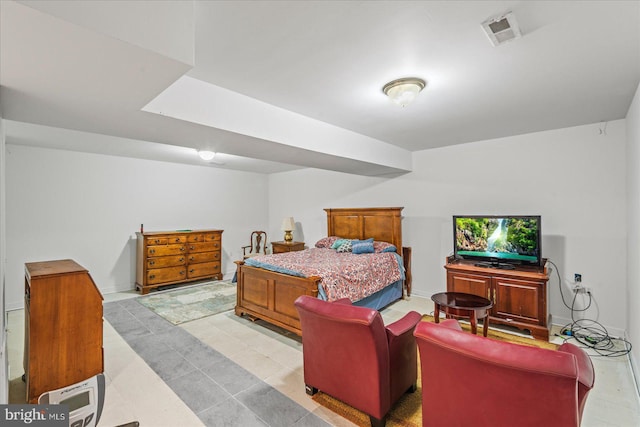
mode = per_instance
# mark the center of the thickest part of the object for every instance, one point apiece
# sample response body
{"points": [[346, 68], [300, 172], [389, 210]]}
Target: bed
{"points": [[269, 295]]}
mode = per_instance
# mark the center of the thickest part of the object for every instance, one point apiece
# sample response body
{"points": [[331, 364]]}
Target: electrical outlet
{"points": [[577, 277]]}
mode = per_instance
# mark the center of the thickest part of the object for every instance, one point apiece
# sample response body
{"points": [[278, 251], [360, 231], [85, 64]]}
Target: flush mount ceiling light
{"points": [[206, 155], [404, 91]]}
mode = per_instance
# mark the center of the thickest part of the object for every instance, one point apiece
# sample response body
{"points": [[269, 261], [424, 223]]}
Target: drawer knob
{"points": [[152, 262], [182, 248], [157, 240], [191, 258], [181, 259], [177, 239], [153, 276], [191, 247], [152, 251], [182, 272], [191, 271]]}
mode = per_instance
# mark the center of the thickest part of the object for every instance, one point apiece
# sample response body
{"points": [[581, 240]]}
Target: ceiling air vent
{"points": [[502, 28]]}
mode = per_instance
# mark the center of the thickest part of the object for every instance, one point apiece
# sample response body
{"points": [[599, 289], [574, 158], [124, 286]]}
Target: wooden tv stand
{"points": [[519, 295]]}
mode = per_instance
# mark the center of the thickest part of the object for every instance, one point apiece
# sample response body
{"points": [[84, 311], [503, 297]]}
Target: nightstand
{"points": [[282, 246]]}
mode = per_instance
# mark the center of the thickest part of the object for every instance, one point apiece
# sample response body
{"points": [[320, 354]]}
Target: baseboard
{"points": [[415, 293], [117, 288]]}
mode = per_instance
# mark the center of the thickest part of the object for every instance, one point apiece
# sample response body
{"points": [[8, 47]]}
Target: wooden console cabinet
{"points": [[170, 257], [63, 326], [519, 296]]}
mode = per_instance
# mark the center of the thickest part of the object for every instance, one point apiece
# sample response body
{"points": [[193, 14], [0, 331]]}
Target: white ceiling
{"points": [[279, 85]]}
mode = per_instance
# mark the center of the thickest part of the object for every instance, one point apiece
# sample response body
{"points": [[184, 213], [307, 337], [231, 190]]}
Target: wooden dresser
{"points": [[63, 326], [170, 257]]}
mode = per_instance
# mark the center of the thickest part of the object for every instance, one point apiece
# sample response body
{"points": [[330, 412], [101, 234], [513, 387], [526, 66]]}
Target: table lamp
{"points": [[288, 225]]}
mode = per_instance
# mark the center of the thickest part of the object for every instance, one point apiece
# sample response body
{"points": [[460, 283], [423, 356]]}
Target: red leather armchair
{"points": [[472, 380], [350, 354]]}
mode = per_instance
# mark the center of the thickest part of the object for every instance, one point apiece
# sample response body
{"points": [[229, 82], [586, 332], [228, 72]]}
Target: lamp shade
{"points": [[288, 224]]}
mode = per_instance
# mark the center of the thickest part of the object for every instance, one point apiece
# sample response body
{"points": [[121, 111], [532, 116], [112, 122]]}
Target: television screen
{"points": [[498, 239]]}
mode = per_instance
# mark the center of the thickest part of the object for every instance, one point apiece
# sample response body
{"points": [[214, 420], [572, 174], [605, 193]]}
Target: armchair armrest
{"points": [[403, 354], [403, 325], [345, 301], [451, 324], [586, 375]]}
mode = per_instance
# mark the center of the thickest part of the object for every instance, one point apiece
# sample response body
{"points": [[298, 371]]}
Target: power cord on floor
{"points": [[589, 333]]}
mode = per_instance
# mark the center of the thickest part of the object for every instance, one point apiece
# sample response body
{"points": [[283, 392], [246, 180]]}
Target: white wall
{"points": [[574, 178], [63, 204], [633, 224]]}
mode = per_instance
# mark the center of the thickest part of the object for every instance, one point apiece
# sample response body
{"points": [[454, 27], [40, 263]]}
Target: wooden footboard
{"points": [[269, 296]]}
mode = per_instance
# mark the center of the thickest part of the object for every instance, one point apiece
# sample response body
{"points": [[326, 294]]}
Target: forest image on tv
{"points": [[501, 238]]}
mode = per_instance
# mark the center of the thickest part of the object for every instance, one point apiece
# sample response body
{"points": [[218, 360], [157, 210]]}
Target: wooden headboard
{"points": [[383, 224]]}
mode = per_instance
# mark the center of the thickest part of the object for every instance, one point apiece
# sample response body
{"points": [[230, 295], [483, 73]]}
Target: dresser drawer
{"points": [[203, 247], [166, 261], [212, 237], [203, 269], [154, 251], [204, 257], [170, 274], [157, 240], [165, 240], [201, 237]]}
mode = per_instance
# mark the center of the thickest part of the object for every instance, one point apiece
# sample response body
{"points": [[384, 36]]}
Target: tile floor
{"points": [[136, 392]]}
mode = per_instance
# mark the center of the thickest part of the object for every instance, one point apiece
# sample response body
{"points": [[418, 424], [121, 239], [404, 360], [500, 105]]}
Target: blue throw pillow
{"points": [[362, 246]]}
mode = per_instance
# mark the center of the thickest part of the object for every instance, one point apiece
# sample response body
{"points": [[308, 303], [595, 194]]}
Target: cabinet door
{"points": [[519, 300], [469, 284]]}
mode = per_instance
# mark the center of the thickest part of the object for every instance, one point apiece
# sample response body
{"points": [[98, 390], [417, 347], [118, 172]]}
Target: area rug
{"points": [[408, 411], [192, 303]]}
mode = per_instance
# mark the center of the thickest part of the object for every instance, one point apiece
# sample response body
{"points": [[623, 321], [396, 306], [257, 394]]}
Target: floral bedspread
{"points": [[344, 275]]}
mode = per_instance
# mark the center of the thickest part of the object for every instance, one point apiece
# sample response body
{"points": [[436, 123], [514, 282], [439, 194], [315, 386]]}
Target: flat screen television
{"points": [[498, 240]]}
